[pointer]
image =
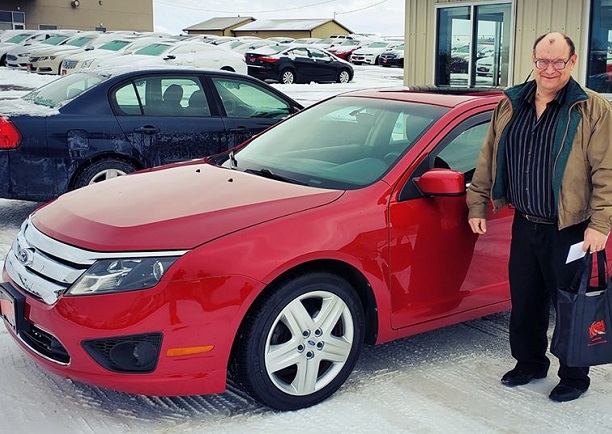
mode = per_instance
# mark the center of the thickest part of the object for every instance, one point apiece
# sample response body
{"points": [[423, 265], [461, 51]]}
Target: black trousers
{"points": [[537, 267]]}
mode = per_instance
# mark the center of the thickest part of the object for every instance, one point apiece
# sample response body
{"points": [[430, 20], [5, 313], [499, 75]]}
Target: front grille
{"points": [[45, 268]]}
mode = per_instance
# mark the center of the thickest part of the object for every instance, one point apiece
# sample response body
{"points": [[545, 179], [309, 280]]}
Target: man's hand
{"points": [[593, 240], [478, 225]]}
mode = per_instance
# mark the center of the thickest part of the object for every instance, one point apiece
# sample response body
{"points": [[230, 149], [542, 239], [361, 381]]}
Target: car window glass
{"points": [[242, 99], [56, 93], [298, 52], [461, 153], [161, 96], [316, 54], [114, 45], [348, 148]]}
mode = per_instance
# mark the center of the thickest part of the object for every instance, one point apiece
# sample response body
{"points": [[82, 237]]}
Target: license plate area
{"points": [[11, 306]]}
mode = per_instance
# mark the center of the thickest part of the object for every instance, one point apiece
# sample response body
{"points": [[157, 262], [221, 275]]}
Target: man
{"points": [[547, 154]]}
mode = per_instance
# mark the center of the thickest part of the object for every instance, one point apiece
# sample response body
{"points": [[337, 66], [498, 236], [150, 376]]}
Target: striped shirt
{"points": [[529, 157]]}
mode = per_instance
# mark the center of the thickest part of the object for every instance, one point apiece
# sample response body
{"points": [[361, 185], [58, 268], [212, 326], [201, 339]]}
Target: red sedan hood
{"points": [[173, 209]]}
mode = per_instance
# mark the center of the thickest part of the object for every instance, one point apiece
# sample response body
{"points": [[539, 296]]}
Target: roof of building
{"points": [[220, 23], [287, 24]]}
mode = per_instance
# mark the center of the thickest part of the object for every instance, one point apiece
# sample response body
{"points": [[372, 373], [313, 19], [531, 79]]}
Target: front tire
{"points": [[344, 76], [300, 343], [287, 76], [103, 170]]}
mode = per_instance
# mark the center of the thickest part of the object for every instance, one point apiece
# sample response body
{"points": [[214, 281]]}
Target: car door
{"points": [[305, 67], [155, 115], [325, 68], [438, 266], [248, 107]]}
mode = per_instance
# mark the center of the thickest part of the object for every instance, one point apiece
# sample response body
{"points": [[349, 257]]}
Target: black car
{"points": [[392, 57], [297, 65], [89, 126]]}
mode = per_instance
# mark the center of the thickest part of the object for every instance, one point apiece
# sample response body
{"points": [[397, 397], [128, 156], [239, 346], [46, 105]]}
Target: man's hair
{"points": [[568, 40]]}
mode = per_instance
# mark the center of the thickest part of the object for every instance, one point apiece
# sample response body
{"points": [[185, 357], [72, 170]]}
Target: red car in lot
{"points": [[342, 225]]}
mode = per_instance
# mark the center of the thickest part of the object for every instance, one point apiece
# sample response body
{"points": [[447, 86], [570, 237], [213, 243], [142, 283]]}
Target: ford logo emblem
{"points": [[25, 256]]}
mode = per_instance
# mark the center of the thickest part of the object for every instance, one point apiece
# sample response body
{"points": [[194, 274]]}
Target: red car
{"points": [[342, 225]]}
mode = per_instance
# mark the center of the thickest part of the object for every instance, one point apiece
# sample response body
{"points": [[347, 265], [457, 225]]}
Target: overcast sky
{"points": [[385, 17]]}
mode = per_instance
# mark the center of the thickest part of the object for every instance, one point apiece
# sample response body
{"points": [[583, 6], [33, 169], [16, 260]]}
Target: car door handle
{"points": [[147, 129], [239, 130]]}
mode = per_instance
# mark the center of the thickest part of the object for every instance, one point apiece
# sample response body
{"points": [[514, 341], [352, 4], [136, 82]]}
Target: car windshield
{"points": [[114, 45], [79, 42], [54, 40], [58, 92], [154, 49], [343, 143]]}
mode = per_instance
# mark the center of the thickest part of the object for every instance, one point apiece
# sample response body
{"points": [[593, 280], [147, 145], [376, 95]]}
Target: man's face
{"points": [[554, 49]]}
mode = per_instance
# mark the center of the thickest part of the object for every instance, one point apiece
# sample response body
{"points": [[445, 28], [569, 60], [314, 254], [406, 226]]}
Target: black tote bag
{"points": [[583, 323]]}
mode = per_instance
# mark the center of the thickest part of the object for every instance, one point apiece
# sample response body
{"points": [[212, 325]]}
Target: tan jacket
{"points": [[582, 172]]}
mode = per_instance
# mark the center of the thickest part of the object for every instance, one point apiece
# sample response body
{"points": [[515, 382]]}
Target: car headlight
{"points": [[117, 275]]}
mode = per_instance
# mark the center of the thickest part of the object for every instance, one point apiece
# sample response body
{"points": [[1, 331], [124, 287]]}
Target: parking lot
{"points": [[437, 382]]}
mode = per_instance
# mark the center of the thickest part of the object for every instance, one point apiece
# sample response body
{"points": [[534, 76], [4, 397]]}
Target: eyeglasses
{"points": [[557, 64]]}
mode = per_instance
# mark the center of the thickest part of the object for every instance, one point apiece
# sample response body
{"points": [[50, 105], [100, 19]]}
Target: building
{"points": [[77, 14], [248, 26], [477, 43], [293, 28], [220, 26]]}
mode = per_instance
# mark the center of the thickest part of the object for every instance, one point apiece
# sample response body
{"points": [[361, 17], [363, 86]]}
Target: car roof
{"points": [[446, 97]]}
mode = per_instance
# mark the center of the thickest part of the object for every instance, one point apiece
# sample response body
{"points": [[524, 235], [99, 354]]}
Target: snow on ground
{"points": [[444, 381]]}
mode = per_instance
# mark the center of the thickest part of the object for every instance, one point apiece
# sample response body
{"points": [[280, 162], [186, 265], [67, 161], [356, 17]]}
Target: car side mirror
{"points": [[441, 182], [170, 57]]}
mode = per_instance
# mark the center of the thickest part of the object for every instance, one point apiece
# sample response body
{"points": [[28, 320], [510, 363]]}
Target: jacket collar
{"points": [[573, 92]]}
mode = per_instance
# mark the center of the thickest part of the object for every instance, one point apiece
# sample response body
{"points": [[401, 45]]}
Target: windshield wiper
{"points": [[267, 173]]}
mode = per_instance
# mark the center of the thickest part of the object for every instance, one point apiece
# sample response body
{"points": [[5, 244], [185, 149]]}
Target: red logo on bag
{"points": [[597, 331]]}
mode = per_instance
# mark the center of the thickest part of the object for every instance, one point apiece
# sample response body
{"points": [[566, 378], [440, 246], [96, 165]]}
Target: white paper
{"points": [[575, 252]]}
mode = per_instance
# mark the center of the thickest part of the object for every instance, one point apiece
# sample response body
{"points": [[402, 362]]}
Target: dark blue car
{"points": [[91, 126]]}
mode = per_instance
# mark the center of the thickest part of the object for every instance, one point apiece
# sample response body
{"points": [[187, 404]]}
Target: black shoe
{"points": [[518, 377], [563, 393]]}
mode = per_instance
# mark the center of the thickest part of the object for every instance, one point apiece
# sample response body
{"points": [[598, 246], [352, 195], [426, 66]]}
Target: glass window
{"points": [[18, 17], [79, 41], [462, 152], [154, 49], [342, 143], [599, 66], [243, 99], [114, 45], [56, 93], [161, 96], [473, 45], [6, 17]]}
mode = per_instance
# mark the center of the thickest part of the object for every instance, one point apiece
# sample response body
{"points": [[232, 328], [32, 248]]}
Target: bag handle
{"points": [[583, 275]]}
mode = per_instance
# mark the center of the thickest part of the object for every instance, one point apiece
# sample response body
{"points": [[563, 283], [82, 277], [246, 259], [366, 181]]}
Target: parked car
{"points": [[89, 126], [393, 56], [342, 225], [18, 57], [115, 48], [192, 54], [297, 65], [20, 39], [370, 54], [49, 60], [345, 49]]}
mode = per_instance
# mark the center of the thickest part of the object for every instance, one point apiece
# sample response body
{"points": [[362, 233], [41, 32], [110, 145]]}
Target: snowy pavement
{"points": [[444, 381]]}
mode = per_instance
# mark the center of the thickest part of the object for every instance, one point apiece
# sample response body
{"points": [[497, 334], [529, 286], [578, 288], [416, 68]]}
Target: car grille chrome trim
{"points": [[46, 268]]}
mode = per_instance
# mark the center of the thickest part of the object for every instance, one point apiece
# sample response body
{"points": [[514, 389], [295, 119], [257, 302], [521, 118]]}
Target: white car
{"points": [[370, 53], [20, 39], [18, 57], [49, 60], [117, 47], [187, 53]]}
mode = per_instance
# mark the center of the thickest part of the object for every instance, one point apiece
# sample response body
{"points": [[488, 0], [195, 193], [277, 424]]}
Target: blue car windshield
{"points": [[62, 90], [343, 143]]}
